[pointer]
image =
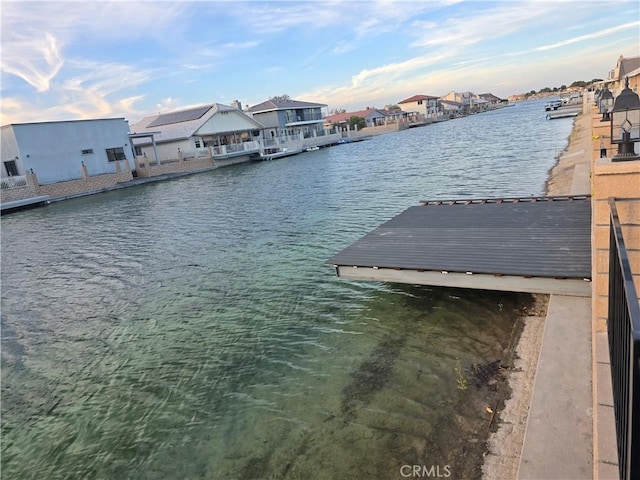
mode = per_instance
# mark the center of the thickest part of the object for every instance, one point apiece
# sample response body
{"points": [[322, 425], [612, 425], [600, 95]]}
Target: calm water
{"points": [[190, 329]]}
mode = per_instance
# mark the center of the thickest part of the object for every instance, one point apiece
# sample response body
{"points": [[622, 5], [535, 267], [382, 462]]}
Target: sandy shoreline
{"points": [[502, 459]]}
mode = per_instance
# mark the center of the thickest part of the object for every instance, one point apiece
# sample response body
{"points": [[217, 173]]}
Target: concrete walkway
{"points": [[570, 430], [558, 441]]}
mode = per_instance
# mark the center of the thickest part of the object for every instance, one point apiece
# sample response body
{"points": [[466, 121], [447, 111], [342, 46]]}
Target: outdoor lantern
{"points": [[625, 124], [605, 104]]}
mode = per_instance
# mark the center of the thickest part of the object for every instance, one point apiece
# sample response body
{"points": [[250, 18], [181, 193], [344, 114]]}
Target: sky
{"points": [[82, 59]]}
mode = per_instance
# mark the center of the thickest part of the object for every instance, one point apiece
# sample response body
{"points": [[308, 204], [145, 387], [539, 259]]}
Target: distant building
{"points": [[60, 151], [449, 107], [423, 104], [286, 117], [490, 98], [372, 117], [216, 130], [625, 67], [464, 99]]}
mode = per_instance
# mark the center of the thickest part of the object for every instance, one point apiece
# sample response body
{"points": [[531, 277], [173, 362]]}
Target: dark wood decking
{"points": [[538, 237]]}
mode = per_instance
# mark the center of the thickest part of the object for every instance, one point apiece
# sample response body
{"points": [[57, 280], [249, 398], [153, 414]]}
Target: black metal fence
{"points": [[624, 346]]}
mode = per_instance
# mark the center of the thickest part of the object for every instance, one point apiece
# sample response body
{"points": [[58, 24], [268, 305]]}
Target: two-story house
{"points": [[426, 105], [284, 117]]}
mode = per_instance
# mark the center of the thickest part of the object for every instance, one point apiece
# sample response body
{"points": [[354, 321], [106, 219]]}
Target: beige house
{"points": [[424, 104], [214, 130]]}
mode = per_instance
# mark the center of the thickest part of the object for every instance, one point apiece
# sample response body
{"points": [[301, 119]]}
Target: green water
{"points": [[190, 329]]}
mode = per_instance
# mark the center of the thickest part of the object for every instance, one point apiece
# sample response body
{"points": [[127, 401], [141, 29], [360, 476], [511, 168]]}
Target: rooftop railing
{"points": [[624, 346]]}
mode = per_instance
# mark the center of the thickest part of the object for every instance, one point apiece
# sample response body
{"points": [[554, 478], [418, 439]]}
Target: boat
{"points": [[554, 115], [273, 153], [553, 105], [312, 149]]}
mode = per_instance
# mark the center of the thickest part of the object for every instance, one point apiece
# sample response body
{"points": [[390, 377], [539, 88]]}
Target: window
{"points": [[197, 143], [290, 115], [115, 154], [11, 168], [419, 102], [88, 151]]}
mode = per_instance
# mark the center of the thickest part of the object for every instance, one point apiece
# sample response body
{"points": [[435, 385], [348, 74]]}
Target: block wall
{"points": [[84, 185], [145, 169], [20, 193]]}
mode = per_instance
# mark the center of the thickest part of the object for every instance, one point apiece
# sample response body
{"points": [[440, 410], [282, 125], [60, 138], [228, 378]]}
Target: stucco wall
{"points": [[169, 150], [54, 149], [9, 150]]}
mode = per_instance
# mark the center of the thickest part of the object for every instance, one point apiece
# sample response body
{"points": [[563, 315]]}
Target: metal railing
{"points": [[16, 181], [623, 327]]}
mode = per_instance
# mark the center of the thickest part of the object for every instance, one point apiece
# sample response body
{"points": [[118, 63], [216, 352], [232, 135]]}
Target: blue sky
{"points": [[82, 59]]}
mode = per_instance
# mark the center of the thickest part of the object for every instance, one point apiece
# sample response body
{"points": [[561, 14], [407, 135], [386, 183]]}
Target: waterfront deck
{"points": [[536, 245]]}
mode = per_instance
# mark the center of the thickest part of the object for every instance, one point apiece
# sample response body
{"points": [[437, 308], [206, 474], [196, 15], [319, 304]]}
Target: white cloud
{"points": [[476, 27], [590, 36], [36, 60]]}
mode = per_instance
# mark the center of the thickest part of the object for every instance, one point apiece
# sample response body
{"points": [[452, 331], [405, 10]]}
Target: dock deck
{"points": [[536, 245]]}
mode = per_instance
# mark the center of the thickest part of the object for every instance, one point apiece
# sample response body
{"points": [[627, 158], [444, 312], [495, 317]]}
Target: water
{"points": [[190, 328]]}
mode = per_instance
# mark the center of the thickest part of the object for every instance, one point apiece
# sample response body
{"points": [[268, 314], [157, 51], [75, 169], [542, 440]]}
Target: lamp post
{"points": [[605, 104], [625, 124]]}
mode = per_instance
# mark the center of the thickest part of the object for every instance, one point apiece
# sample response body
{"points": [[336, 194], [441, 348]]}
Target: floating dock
{"points": [[533, 244]]}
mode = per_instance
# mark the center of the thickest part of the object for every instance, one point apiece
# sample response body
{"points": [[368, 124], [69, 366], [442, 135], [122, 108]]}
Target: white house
{"points": [[60, 151], [214, 130]]}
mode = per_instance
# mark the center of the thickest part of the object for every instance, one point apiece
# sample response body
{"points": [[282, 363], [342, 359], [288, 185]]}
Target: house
{"points": [[424, 104], [477, 104], [490, 98], [284, 117], [461, 98], [451, 108], [372, 116], [58, 151], [625, 67], [212, 130], [62, 159]]}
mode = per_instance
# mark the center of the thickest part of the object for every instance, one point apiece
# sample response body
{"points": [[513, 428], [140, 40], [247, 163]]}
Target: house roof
{"points": [[276, 104], [343, 117], [627, 65], [415, 98], [121, 119], [182, 124], [489, 97], [451, 102]]}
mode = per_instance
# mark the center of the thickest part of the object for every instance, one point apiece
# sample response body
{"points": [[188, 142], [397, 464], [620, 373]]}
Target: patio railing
{"points": [[624, 346], [13, 182]]}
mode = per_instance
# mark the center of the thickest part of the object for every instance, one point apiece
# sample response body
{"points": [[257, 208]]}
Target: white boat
{"points": [[553, 105], [554, 115], [273, 153]]}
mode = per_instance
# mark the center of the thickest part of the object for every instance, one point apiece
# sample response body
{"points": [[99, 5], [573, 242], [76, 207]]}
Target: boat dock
{"points": [[535, 245]]}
